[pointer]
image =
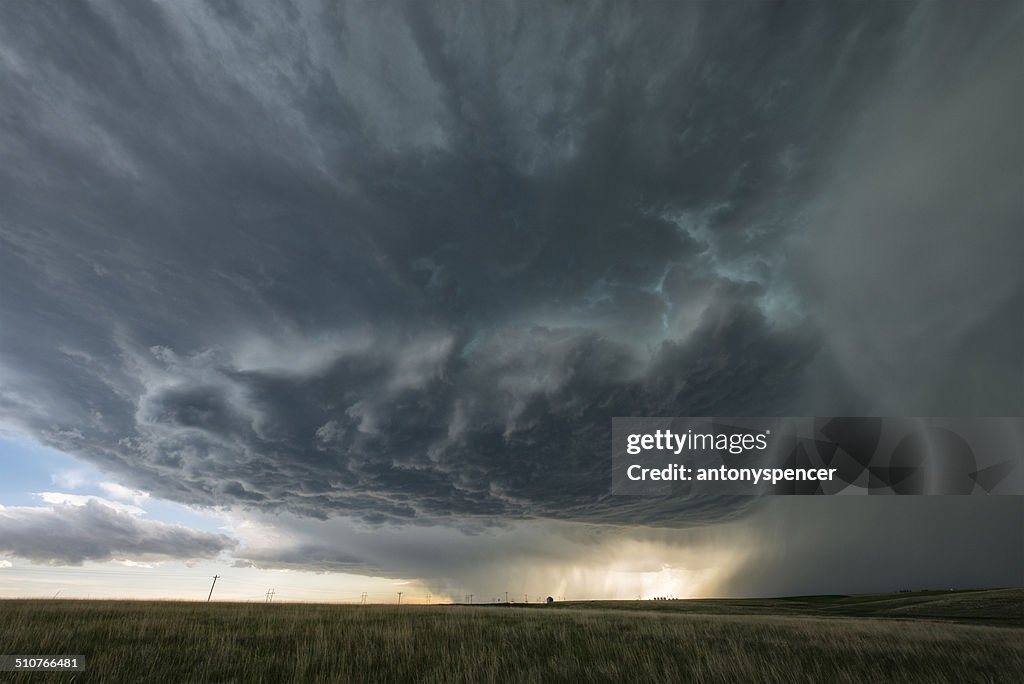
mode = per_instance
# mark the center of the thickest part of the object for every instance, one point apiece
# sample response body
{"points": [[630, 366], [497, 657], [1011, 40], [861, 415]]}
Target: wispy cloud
{"points": [[83, 499], [71, 478], [122, 493]]}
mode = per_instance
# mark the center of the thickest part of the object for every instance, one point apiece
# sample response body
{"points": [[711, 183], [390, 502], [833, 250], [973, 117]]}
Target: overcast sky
{"points": [[356, 288]]}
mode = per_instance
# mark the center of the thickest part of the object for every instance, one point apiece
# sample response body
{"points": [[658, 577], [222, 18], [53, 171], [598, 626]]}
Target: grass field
{"points": [[922, 637]]}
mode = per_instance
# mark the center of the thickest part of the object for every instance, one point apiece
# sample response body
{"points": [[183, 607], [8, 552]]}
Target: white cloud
{"points": [[83, 499], [122, 493], [70, 478], [127, 562]]}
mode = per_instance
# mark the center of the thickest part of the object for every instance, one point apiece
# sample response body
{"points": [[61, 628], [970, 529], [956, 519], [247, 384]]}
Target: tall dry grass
{"points": [[196, 642]]}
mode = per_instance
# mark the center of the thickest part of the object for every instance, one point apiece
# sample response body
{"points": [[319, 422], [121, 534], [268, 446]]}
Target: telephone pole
{"points": [[270, 596], [210, 595], [470, 599], [428, 598], [362, 599], [400, 598], [506, 597]]}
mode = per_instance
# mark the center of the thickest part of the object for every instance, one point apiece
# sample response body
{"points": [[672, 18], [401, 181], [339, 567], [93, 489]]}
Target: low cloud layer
{"points": [[798, 545], [76, 531], [400, 264]]}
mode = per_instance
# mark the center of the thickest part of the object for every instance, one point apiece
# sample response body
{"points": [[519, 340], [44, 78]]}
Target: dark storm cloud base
{"points": [[816, 456], [404, 262]]}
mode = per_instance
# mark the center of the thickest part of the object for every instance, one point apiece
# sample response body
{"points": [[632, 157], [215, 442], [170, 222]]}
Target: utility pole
{"points": [[470, 599], [506, 597], [362, 599], [400, 598], [428, 598], [210, 595], [270, 596], [526, 598]]}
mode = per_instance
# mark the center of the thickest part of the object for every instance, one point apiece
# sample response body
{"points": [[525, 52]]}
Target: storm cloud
{"points": [[72, 533], [793, 546], [404, 263]]}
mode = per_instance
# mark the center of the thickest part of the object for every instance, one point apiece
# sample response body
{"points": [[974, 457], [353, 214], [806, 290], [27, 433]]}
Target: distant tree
{"points": [[549, 600]]}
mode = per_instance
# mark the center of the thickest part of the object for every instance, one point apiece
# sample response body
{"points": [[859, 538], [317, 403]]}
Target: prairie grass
{"points": [[197, 642]]}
